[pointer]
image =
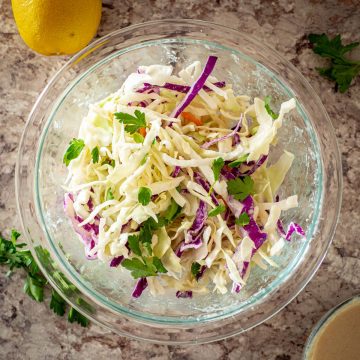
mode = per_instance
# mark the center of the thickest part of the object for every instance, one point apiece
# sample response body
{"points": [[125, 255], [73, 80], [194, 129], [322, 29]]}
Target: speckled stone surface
{"points": [[31, 331]]}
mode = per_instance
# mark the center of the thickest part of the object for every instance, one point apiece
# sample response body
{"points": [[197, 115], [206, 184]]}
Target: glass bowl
{"points": [[103, 293]]}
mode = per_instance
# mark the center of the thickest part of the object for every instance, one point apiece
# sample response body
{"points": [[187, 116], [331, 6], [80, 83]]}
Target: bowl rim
{"points": [[99, 42]]}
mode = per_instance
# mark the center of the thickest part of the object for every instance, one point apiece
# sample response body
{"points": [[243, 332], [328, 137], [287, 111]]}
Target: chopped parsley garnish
{"points": [[138, 138], [132, 123], [216, 167], [73, 151], [216, 211], [143, 161], [172, 211], [341, 70], [109, 195], [144, 196], [12, 255], [57, 303], [240, 188], [267, 101], [95, 154], [150, 266], [239, 161], [195, 268], [133, 242], [243, 219]]}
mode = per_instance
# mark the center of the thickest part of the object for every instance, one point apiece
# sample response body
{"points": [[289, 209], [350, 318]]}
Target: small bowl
{"points": [[310, 342], [255, 70]]}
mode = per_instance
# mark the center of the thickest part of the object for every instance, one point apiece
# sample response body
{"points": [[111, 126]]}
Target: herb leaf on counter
{"points": [[341, 70], [12, 255]]}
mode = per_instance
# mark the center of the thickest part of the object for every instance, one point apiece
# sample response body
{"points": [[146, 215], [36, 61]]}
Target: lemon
{"points": [[54, 27]]}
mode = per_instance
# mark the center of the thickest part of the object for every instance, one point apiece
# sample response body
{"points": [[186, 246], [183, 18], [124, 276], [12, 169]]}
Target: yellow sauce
{"points": [[339, 337]]}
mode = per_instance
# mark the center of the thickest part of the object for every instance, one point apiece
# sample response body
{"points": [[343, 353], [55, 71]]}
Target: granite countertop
{"points": [[29, 330]]}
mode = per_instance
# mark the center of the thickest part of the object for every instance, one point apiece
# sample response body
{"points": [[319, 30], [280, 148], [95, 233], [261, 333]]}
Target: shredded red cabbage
{"points": [[201, 181], [176, 87], [236, 288], [292, 228], [116, 261], [195, 87], [184, 294], [222, 138], [176, 171], [261, 160], [192, 235], [140, 286]]}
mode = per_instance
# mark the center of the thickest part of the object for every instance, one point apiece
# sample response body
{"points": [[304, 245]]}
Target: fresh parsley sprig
{"points": [[216, 211], [132, 123], [240, 188], [73, 151], [267, 101], [341, 69], [144, 196], [12, 256]]}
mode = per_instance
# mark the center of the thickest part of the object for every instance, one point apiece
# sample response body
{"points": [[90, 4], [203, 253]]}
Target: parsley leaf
{"points": [[216, 167], [172, 211], [341, 70], [159, 265], [35, 283], [75, 316], [132, 123], [138, 138], [133, 242], [95, 154], [239, 161], [73, 151], [195, 268], [138, 268], [109, 195], [267, 101], [57, 303], [216, 211], [144, 196], [243, 219], [34, 286], [240, 188]]}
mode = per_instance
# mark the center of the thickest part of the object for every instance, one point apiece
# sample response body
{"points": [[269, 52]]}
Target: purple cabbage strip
{"points": [[193, 233], [116, 261], [236, 140], [140, 286], [261, 160], [236, 288], [176, 87], [195, 87], [87, 233], [195, 244], [179, 251], [184, 294], [201, 181], [200, 273], [176, 171], [292, 228], [222, 138], [280, 227]]}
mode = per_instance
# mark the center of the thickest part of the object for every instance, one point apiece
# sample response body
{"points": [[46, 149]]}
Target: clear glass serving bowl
{"points": [[253, 69]]}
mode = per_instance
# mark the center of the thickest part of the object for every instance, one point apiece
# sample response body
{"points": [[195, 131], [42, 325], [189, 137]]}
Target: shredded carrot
{"points": [[189, 117], [142, 131]]}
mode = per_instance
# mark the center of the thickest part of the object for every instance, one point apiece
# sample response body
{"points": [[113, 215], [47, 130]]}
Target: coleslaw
{"points": [[169, 179]]}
